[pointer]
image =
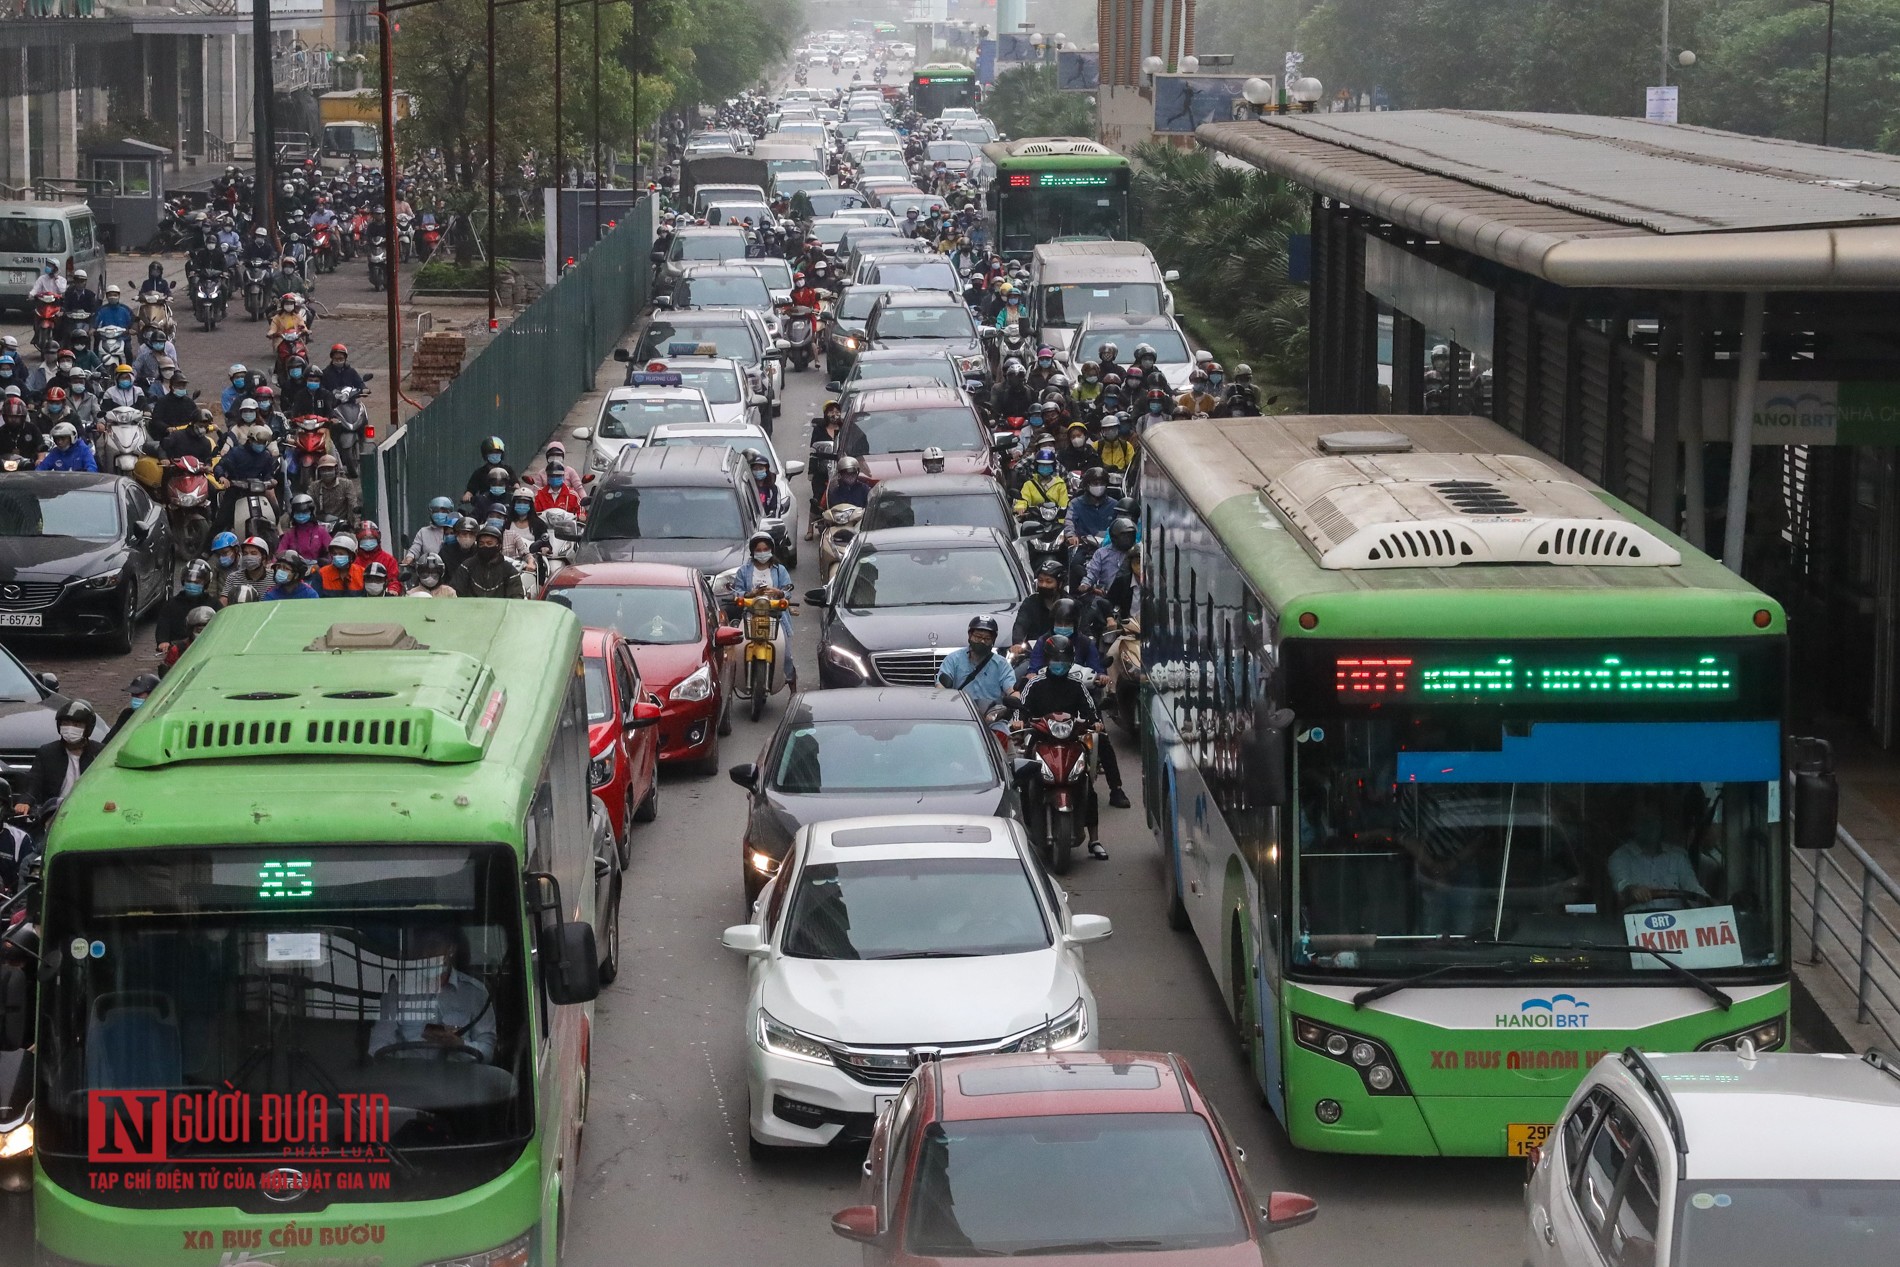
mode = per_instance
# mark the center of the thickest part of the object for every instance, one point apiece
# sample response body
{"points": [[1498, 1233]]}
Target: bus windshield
{"points": [[1067, 305], [1431, 839], [329, 971], [1097, 208]]}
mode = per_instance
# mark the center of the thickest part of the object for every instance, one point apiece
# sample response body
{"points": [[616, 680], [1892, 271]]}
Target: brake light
{"points": [[369, 432]]}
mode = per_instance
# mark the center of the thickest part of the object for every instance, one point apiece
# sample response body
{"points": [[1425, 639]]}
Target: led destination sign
{"points": [[1521, 676]]}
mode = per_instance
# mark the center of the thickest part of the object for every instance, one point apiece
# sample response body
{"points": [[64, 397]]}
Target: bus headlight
{"points": [[513, 1254], [1368, 1057], [17, 1142], [1768, 1036]]}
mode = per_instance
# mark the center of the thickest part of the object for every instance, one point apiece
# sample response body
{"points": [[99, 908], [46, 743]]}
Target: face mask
{"points": [[138, 702], [295, 374], [1096, 490], [1047, 591], [371, 545], [1076, 442], [431, 579], [1215, 380], [124, 382], [1154, 407], [494, 459], [237, 380], [72, 734], [340, 561], [1045, 468], [761, 476], [226, 559], [55, 409], [979, 650], [283, 576], [489, 553], [300, 516], [466, 542], [1088, 378], [375, 589], [1058, 668], [180, 392], [442, 519], [192, 587], [522, 509], [259, 448], [762, 557], [556, 481], [65, 367], [252, 562]]}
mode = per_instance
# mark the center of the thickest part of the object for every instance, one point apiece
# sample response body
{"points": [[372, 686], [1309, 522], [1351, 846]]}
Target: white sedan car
{"points": [[882, 942], [628, 416]]}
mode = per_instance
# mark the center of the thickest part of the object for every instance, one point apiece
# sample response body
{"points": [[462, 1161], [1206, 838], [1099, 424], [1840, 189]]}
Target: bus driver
{"points": [[433, 1003]]}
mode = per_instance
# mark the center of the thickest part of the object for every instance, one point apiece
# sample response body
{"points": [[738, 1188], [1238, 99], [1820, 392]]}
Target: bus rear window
{"points": [[1068, 305], [32, 235]]}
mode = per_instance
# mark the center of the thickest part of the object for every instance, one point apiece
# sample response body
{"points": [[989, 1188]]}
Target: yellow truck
{"points": [[352, 125]]}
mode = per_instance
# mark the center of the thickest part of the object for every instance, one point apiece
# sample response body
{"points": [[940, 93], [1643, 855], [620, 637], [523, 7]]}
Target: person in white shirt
{"points": [[49, 284], [432, 1002]]}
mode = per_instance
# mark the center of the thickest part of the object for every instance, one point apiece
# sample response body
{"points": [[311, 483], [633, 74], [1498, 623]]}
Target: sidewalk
{"points": [[1826, 998]]}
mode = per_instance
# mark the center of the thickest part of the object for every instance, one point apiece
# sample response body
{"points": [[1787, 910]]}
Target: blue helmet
{"points": [[224, 541]]}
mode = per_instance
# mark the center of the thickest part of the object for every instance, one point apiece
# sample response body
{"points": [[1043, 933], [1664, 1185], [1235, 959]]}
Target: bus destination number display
{"points": [[1070, 180], [285, 881], [1524, 676]]}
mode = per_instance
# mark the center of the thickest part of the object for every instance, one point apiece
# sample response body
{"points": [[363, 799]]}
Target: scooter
{"points": [[378, 265], [123, 440], [1124, 677], [188, 503], [207, 300], [766, 647], [254, 514], [1056, 786], [323, 247], [256, 274], [836, 530], [156, 310], [45, 325], [75, 329], [309, 439], [801, 331], [1041, 531], [350, 426]]}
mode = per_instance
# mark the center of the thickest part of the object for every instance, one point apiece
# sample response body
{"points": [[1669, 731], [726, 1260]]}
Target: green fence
{"points": [[522, 384]]}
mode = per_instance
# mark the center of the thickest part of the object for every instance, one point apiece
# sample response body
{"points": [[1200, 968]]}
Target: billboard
{"points": [[1014, 47], [986, 61], [1077, 71], [1185, 102]]}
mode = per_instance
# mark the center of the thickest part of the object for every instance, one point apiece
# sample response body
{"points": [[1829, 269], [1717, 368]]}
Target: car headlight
{"points": [[103, 581], [763, 863], [782, 1040], [848, 342], [513, 1254], [697, 686], [600, 769], [1065, 1031], [17, 1142], [1768, 1036], [847, 660], [598, 460]]}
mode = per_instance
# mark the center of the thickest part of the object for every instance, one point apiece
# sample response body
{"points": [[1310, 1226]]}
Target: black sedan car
{"points": [[29, 708], [902, 600], [844, 754], [81, 555]]}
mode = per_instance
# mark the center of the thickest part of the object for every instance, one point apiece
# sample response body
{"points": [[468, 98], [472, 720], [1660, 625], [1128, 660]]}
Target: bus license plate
{"points": [[1521, 1137], [879, 1103], [20, 620]]}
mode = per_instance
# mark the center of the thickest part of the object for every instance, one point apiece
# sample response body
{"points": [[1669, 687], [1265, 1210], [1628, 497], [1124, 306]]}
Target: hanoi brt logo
{"points": [[1559, 1011]]}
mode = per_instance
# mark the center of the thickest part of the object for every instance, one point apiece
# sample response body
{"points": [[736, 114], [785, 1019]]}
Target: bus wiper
{"points": [[1374, 993], [1715, 992]]}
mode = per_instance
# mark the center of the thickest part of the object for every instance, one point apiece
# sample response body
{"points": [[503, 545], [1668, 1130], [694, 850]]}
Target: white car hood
{"points": [[910, 1001]]}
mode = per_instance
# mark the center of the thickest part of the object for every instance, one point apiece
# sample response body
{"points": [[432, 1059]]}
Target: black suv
{"points": [[927, 320], [689, 505]]}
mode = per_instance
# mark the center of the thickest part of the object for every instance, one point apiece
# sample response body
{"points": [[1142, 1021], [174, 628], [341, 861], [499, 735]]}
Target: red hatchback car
{"points": [[668, 616], [1099, 1157], [623, 767]]}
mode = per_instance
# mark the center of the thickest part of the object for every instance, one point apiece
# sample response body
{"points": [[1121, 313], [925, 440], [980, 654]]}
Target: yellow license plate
{"points": [[1521, 1137]]}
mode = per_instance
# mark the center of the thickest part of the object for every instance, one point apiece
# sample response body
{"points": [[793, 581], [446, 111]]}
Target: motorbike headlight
{"points": [[697, 686], [782, 1040], [513, 1254], [103, 581], [17, 1142], [600, 769], [1065, 1031], [1061, 727]]}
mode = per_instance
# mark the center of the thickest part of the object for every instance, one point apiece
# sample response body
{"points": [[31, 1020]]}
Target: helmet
{"points": [[1243, 372], [755, 458], [1125, 509], [1197, 375], [199, 571], [1144, 350], [758, 537], [1045, 354], [1051, 567], [933, 459], [1013, 369], [1212, 367], [1063, 613], [197, 618], [1109, 351], [1121, 532], [466, 524], [328, 462], [1094, 475], [65, 431], [848, 465], [437, 504], [260, 434], [226, 540], [79, 274], [266, 394], [984, 624], [339, 347], [1060, 654], [430, 564], [343, 541], [294, 562], [54, 394], [376, 574], [368, 531], [493, 447], [122, 369], [303, 501], [237, 369], [245, 594], [113, 288], [258, 544], [76, 712], [143, 684], [492, 528], [1045, 456]]}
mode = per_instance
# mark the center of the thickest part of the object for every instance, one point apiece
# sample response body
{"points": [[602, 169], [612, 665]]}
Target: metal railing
{"points": [[1850, 912], [59, 189]]}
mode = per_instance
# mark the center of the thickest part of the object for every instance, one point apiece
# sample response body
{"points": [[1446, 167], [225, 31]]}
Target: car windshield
{"points": [[729, 440], [1169, 347], [1840, 1224], [911, 431], [934, 366], [649, 514], [857, 301], [827, 202], [599, 705], [880, 756], [914, 908], [1068, 305], [720, 245], [634, 419], [207, 984], [831, 232], [736, 212], [894, 509], [922, 204], [951, 321], [645, 615], [730, 338], [950, 151], [724, 292], [930, 577], [88, 514], [776, 274], [1087, 1184], [718, 384]]}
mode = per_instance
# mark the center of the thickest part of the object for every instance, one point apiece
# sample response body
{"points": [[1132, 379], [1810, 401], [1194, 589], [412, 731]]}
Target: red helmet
{"points": [[368, 528], [338, 347], [265, 392], [55, 393]]}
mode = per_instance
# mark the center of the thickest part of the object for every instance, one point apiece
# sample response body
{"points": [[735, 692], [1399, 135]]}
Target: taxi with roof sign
{"points": [[628, 415], [721, 379]]}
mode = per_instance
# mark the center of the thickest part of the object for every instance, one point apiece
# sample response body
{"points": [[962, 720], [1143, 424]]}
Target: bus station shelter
{"points": [[1704, 323]]}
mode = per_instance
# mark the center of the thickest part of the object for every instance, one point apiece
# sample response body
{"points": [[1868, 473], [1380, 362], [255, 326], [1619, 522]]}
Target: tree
{"points": [[1025, 101], [1759, 66]]}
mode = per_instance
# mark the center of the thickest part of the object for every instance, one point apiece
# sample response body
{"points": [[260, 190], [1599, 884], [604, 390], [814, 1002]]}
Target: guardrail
{"points": [[1852, 922]]}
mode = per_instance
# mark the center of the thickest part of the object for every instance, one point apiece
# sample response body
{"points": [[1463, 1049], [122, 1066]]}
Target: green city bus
{"points": [[1048, 188], [1464, 773], [318, 959], [942, 86]]}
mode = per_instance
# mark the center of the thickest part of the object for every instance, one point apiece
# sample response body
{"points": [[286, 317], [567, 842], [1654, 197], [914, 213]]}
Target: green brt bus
{"points": [[1051, 187], [941, 86], [1464, 773], [318, 964]]}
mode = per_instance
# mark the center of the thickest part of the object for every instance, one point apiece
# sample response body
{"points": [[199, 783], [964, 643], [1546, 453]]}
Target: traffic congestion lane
{"points": [[666, 1175]]}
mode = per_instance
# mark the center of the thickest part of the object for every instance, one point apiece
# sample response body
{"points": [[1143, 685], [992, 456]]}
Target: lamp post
{"points": [[490, 252], [1305, 93], [1259, 94]]}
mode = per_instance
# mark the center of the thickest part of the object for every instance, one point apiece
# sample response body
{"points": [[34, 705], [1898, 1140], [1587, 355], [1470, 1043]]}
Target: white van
{"points": [[32, 233], [1069, 281]]}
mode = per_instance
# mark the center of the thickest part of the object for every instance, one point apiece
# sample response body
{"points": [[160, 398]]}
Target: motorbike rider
{"points": [[1242, 398], [1090, 513], [848, 487], [556, 492], [377, 582], [1077, 454], [19, 435], [336, 496], [48, 285], [1055, 691], [206, 259], [765, 486], [253, 568], [239, 388], [79, 296], [193, 439], [1118, 443], [524, 533], [977, 671], [460, 546], [151, 359], [1035, 617], [1011, 398], [247, 458], [339, 373], [429, 583], [1010, 316], [300, 530], [195, 590], [258, 251], [10, 375], [58, 370], [488, 574], [155, 283], [1106, 564], [57, 765], [113, 312], [302, 396], [494, 458], [1157, 403], [288, 321], [341, 576], [1198, 398], [1108, 359], [57, 407], [763, 571], [1087, 389], [804, 295], [138, 691], [492, 501], [287, 581], [173, 408], [1044, 485], [124, 391], [223, 558], [370, 548], [69, 452], [431, 536], [933, 460], [826, 428], [1044, 368]]}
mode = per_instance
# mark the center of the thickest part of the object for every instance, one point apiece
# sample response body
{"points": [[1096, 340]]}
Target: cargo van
{"points": [[32, 233], [1069, 281]]}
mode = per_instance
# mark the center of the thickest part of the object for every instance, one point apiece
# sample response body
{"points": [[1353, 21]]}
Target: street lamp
{"points": [[1305, 92], [1151, 65], [1190, 64], [1258, 93]]}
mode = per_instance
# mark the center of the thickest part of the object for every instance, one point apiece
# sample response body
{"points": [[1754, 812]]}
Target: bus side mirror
{"points": [[572, 964], [1268, 755], [1817, 795], [989, 198]]}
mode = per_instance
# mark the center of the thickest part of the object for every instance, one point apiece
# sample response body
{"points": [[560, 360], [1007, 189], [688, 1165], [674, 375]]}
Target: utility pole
{"points": [[493, 175], [262, 131], [599, 175], [560, 152]]}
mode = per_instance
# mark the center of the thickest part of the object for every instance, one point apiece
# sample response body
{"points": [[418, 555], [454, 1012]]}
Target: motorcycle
{"points": [[405, 237], [293, 344], [801, 331], [378, 265], [1040, 529], [75, 329], [836, 529], [123, 440], [323, 248], [309, 441], [1124, 677], [350, 426], [155, 311], [766, 647], [1057, 783], [254, 514], [256, 277], [207, 300], [111, 345], [428, 238], [45, 325], [187, 493]]}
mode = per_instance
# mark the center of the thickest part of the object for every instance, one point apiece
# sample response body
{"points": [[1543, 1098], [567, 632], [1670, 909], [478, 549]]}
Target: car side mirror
{"points": [[663, 301], [49, 680], [818, 597], [1817, 794], [856, 1223], [834, 387], [369, 377], [794, 467], [622, 355], [1288, 1209], [572, 963], [1172, 275], [644, 715], [728, 636], [745, 939], [583, 433], [1084, 929], [745, 775]]}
